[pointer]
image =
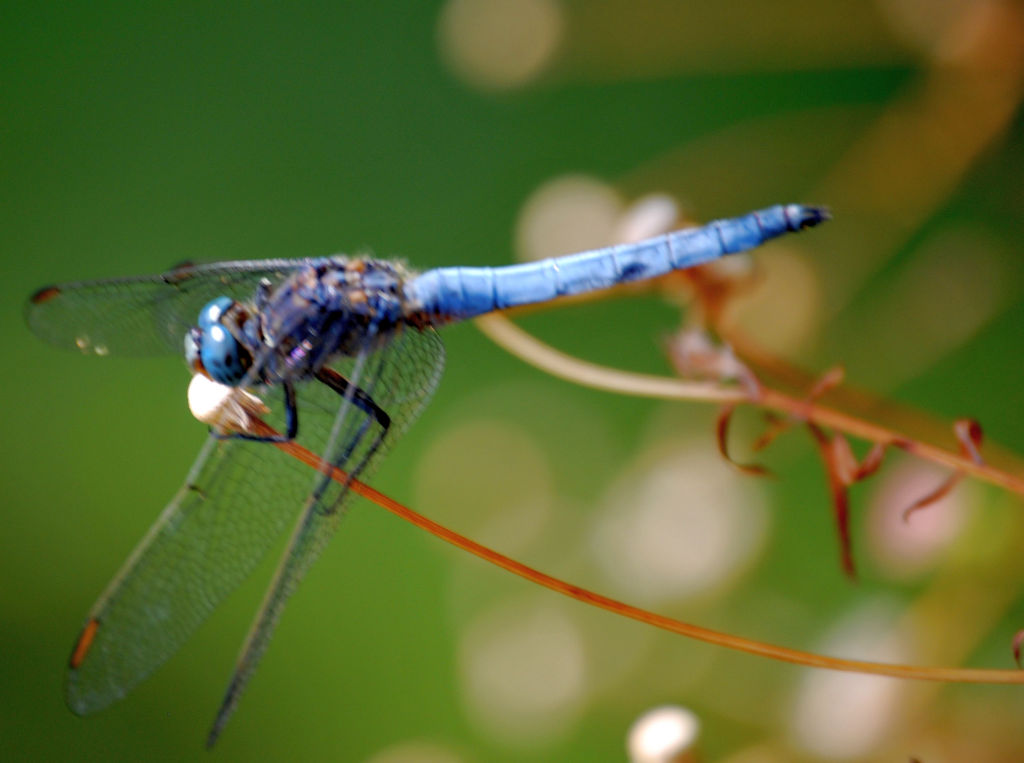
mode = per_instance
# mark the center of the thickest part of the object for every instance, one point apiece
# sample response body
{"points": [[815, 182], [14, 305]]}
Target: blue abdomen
{"points": [[460, 292]]}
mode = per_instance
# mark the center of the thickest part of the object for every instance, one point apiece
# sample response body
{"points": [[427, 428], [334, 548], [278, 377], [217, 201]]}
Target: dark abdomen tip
{"points": [[800, 217]]}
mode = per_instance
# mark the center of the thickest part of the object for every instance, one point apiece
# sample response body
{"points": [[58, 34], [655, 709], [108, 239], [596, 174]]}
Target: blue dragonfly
{"points": [[352, 347]]}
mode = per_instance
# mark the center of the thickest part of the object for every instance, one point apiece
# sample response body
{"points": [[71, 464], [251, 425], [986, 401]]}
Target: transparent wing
{"points": [[400, 379], [235, 502], [143, 315]]}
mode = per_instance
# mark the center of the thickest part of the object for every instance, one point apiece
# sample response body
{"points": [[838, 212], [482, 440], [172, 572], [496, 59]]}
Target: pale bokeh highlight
{"points": [[523, 672], [678, 524], [844, 716], [569, 213], [906, 549], [499, 44], [666, 734]]}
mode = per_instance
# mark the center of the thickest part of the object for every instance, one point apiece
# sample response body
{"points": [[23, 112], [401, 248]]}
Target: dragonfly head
{"points": [[212, 349]]}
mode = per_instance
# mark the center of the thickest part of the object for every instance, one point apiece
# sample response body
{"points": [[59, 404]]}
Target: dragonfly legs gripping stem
{"points": [[291, 422]]}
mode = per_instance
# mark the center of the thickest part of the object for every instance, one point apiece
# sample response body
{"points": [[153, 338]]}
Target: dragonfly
{"points": [[350, 348]]}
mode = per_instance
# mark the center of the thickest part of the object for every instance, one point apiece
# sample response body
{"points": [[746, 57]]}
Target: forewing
{"points": [[143, 315]]}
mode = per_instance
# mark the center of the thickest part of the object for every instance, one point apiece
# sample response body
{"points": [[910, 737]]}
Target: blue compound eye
{"points": [[211, 347], [223, 356], [213, 310]]}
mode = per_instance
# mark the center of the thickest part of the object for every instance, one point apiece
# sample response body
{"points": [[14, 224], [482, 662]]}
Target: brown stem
{"points": [[729, 641], [519, 343], [831, 418]]}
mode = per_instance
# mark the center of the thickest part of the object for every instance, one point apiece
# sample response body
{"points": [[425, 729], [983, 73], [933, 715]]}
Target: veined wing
{"points": [[143, 315], [236, 501], [399, 377]]}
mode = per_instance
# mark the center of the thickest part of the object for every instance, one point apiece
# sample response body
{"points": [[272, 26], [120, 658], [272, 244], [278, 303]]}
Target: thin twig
{"points": [[521, 344], [729, 641]]}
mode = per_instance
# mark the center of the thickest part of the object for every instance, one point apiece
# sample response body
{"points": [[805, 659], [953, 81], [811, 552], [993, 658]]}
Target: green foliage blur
{"points": [[136, 136]]}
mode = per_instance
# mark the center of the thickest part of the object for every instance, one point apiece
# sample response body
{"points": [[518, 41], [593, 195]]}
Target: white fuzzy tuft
{"points": [[226, 409]]}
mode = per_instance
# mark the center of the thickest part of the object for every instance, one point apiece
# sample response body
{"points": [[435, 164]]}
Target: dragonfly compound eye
{"points": [[223, 356], [217, 350], [213, 311]]}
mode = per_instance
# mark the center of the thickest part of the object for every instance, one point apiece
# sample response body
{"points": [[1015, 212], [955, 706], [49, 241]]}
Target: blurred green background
{"points": [[136, 136]]}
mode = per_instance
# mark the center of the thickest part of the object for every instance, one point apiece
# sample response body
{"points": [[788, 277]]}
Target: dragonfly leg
{"points": [[374, 412], [341, 385], [291, 414]]}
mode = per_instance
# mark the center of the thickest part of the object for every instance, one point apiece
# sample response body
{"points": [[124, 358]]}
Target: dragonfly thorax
{"points": [[337, 307]]}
